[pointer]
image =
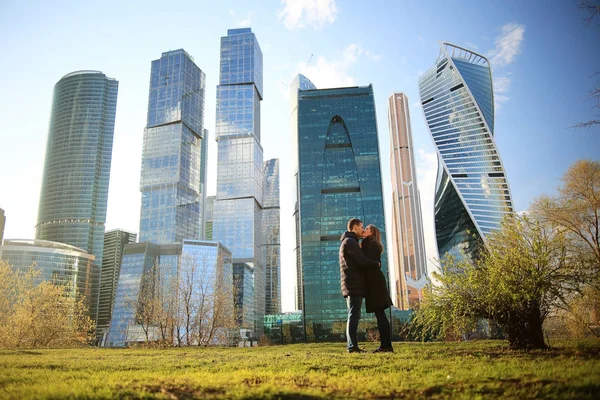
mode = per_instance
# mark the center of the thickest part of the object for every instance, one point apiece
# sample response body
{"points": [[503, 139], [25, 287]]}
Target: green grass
{"points": [[485, 369]]}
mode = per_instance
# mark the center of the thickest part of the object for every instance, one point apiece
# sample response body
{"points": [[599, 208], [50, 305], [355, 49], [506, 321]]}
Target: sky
{"points": [[543, 59]]}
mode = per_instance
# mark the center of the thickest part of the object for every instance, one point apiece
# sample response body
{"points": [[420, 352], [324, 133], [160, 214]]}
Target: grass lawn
{"points": [[482, 369]]}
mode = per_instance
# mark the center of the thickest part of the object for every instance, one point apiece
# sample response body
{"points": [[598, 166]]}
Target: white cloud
{"points": [[297, 14], [328, 73], [508, 45], [501, 86], [245, 22]]}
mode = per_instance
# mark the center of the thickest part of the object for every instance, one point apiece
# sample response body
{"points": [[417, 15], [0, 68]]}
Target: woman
{"points": [[378, 298]]}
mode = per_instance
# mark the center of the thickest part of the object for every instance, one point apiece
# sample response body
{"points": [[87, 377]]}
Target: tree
{"points": [[576, 210], [36, 313], [526, 272]]}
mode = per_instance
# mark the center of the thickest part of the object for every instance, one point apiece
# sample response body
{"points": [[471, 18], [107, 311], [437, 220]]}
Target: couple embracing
{"points": [[361, 278]]}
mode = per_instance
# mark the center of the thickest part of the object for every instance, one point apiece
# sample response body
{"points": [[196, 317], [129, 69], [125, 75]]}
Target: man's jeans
{"points": [[354, 304]]}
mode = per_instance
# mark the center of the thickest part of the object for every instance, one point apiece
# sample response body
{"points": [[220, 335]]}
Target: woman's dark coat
{"points": [[378, 296], [353, 265]]}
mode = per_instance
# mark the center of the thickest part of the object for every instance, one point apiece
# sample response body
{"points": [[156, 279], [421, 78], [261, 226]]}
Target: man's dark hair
{"points": [[353, 222]]}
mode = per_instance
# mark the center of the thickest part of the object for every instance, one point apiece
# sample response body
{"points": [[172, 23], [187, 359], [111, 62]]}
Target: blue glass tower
{"points": [[300, 82], [339, 178], [172, 176], [271, 237], [472, 194], [240, 173], [74, 195]]}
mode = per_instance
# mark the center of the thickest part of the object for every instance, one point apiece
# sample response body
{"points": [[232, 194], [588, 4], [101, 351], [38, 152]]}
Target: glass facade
{"points": [[240, 169], [243, 277], [339, 178], [114, 243], [271, 242], [408, 243], [59, 263], [173, 169], [300, 82], [208, 217], [207, 264], [472, 194], [284, 328], [74, 195]]}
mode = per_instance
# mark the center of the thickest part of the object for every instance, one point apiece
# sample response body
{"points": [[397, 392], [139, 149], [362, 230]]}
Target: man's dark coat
{"points": [[353, 264]]}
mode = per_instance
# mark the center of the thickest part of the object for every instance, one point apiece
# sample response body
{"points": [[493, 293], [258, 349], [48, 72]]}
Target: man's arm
{"points": [[356, 253]]}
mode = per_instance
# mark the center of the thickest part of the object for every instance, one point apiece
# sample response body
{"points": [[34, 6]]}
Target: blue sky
{"points": [[542, 54]]}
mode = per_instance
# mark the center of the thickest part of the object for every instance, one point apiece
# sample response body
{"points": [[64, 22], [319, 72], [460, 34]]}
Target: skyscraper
{"points": [[271, 239], [208, 217], [240, 169], [472, 194], [300, 82], [74, 193], [172, 176], [408, 243], [114, 242], [339, 178], [173, 191]]}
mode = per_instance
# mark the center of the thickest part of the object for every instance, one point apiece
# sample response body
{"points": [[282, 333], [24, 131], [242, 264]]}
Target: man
{"points": [[352, 264]]}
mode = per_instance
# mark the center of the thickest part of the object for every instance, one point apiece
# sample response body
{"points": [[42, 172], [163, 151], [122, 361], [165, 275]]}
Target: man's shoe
{"points": [[356, 350], [384, 350]]}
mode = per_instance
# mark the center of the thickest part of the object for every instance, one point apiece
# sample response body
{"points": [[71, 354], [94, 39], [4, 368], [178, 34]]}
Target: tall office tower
{"points": [[472, 194], [240, 174], [408, 243], [74, 193], [203, 182], [300, 82], [339, 178], [114, 242], [2, 224], [209, 206], [172, 175], [271, 251]]}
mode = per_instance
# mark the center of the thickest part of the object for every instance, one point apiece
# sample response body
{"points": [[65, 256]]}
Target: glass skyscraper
{"points": [[271, 237], [173, 185], [74, 195], [339, 178], [172, 177], [114, 242], [472, 194], [240, 170], [300, 82], [408, 243]]}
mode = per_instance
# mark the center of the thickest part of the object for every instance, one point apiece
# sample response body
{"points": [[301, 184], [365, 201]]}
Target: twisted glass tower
{"points": [[472, 194], [74, 195]]}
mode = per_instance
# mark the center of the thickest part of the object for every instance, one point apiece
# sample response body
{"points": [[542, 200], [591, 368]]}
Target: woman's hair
{"points": [[376, 235]]}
